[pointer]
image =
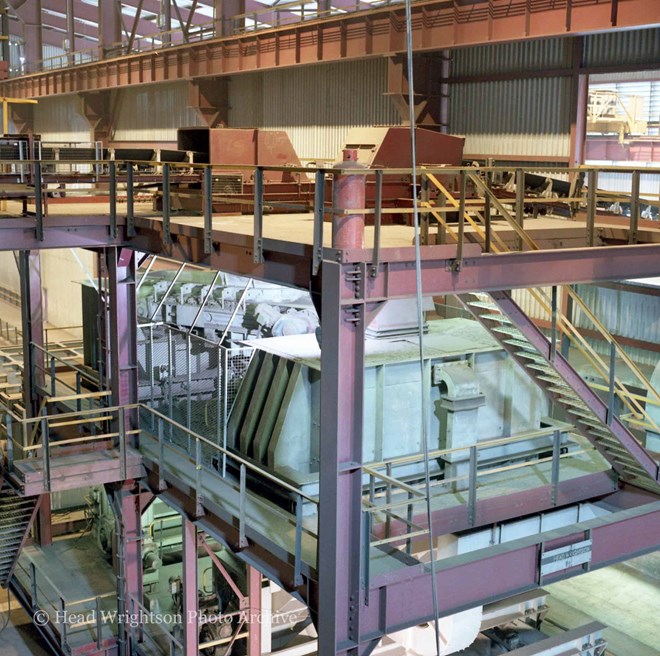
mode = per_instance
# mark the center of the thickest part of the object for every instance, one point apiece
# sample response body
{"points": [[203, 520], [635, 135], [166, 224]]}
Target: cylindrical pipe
{"points": [[348, 194]]}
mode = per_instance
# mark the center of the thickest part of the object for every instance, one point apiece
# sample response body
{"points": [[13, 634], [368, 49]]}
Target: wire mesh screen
{"points": [[193, 382]]}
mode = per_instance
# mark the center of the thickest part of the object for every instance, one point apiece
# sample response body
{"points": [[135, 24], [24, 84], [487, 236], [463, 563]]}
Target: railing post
{"points": [[113, 198], [610, 395], [78, 392], [208, 209], [556, 435], [167, 234], [130, 207], [33, 586], [458, 262], [38, 201], [520, 203], [388, 501], [121, 422], [99, 623], [10, 443], [592, 182], [378, 218], [424, 213], [487, 208], [366, 553], [634, 208], [319, 214], [553, 325], [472, 487], [45, 451], [257, 252], [161, 456], [297, 575], [198, 478], [242, 540], [53, 385], [63, 626]]}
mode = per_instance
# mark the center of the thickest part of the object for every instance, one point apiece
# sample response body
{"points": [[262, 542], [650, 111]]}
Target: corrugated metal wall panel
{"points": [[623, 47], [649, 184], [316, 105], [154, 112], [514, 117], [511, 57], [623, 313], [57, 119], [530, 305]]}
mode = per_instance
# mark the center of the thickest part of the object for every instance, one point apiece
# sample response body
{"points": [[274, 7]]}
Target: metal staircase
{"points": [[16, 516], [532, 350]]}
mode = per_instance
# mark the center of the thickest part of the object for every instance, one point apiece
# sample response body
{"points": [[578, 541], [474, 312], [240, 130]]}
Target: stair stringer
{"points": [[641, 465]]}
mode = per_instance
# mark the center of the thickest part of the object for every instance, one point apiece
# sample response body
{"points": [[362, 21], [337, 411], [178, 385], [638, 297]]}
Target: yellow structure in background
{"points": [[5, 109]]}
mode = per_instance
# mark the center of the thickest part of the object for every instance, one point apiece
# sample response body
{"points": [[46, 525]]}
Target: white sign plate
{"points": [[565, 557]]}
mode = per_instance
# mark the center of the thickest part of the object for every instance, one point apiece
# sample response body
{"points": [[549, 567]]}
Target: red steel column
{"points": [[109, 26], [348, 193], [255, 620], [189, 619], [340, 507]]}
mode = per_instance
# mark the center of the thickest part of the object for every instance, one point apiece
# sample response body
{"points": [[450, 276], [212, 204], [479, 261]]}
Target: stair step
{"points": [[578, 412], [499, 318], [535, 357], [519, 344], [510, 330], [568, 400], [484, 305], [545, 368], [593, 424]]}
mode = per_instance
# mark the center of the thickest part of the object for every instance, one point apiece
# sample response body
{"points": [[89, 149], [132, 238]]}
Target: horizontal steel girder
{"points": [[403, 599], [437, 24], [291, 263]]}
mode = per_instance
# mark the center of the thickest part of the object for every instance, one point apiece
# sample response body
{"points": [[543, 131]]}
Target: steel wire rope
{"points": [[420, 320]]}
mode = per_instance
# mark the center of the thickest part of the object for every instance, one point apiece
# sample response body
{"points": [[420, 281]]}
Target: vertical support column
{"points": [[342, 390], [70, 29], [123, 327], [109, 23], [445, 70], [255, 620], [190, 629], [30, 14], [225, 12], [579, 101], [126, 505], [32, 320]]}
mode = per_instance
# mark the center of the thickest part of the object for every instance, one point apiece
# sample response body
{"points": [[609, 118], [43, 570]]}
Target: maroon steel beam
{"points": [[123, 327], [190, 610], [503, 271], [29, 14], [508, 507], [126, 504], [437, 25], [403, 598], [254, 620]]}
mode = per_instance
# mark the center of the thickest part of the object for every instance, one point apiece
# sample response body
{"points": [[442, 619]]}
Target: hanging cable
{"points": [[420, 319]]}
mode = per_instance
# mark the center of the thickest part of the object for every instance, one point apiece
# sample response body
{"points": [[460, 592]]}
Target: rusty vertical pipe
{"points": [[348, 194]]}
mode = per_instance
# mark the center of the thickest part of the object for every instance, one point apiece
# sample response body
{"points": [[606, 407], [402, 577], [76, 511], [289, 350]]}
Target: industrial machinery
{"points": [[609, 111], [470, 382]]}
